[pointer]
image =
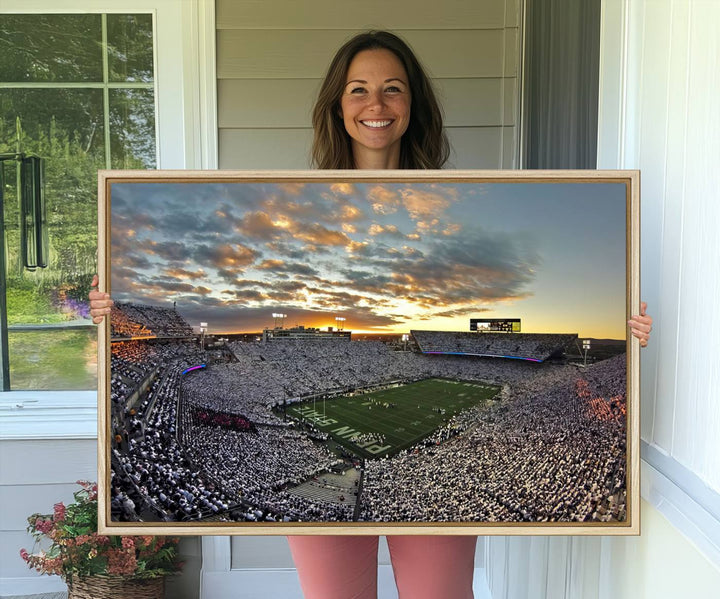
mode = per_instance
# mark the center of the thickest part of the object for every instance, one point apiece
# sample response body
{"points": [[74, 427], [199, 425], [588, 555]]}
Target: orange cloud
{"points": [[383, 200], [423, 205], [376, 229], [355, 246], [451, 229], [350, 212], [342, 188], [316, 234], [257, 224], [181, 273], [232, 256], [270, 264], [425, 227], [291, 188]]}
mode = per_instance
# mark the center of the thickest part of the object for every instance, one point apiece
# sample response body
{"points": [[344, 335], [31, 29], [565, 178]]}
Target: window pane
{"points": [[132, 128], [130, 47], [54, 359], [52, 343], [65, 127], [38, 48], [49, 117]]}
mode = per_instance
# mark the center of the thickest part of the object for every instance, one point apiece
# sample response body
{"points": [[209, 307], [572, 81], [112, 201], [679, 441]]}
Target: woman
{"points": [[377, 110]]}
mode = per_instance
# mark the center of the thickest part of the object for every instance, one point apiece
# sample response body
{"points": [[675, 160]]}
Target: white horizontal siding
{"points": [[342, 14], [11, 564], [19, 501], [476, 147], [269, 54], [264, 148], [34, 475], [49, 461]]}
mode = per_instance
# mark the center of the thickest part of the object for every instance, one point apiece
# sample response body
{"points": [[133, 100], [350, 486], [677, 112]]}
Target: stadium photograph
{"points": [[356, 352]]}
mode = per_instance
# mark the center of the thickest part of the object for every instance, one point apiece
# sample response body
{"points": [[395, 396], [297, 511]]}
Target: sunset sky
{"points": [[388, 257]]}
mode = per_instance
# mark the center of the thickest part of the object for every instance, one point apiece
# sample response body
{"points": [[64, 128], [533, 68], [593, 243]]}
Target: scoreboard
{"points": [[495, 325]]}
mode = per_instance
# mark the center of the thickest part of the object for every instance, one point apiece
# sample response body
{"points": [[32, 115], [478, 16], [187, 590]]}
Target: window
{"points": [[560, 84], [78, 91]]}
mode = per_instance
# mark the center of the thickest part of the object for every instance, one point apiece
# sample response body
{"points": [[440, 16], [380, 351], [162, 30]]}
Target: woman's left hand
{"points": [[641, 325]]}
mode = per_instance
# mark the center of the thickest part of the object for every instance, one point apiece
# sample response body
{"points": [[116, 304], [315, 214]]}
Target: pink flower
{"points": [[73, 554], [93, 492], [53, 565], [128, 542], [59, 512], [44, 526], [121, 562], [145, 540]]}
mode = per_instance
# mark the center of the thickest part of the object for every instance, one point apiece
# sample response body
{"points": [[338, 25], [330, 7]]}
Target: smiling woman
{"points": [[376, 85], [375, 108]]}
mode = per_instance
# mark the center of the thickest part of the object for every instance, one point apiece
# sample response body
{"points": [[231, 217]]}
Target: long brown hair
{"points": [[424, 144]]}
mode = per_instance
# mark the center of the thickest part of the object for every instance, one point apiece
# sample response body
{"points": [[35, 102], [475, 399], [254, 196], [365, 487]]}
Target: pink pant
{"points": [[425, 567]]}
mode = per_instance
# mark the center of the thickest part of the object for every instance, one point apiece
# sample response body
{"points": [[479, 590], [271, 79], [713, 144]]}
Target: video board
{"points": [[495, 325]]}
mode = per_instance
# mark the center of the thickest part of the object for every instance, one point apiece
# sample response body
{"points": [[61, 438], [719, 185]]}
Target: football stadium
{"points": [[447, 427]]}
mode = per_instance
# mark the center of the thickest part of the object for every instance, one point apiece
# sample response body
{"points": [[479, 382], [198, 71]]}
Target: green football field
{"points": [[381, 423]]}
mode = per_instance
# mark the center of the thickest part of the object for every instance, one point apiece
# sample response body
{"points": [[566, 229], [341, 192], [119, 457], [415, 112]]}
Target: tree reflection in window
{"points": [[77, 90]]}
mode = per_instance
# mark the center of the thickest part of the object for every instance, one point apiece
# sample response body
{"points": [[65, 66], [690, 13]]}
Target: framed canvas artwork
{"points": [[369, 352]]}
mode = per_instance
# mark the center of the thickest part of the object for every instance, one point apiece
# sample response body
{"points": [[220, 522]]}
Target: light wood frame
{"points": [[631, 181]]}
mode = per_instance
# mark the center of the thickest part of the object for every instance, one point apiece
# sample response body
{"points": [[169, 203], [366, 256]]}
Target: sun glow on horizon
{"points": [[389, 257]]}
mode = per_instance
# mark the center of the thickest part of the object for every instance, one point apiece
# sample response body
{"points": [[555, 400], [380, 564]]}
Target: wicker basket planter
{"points": [[67, 544], [116, 587]]}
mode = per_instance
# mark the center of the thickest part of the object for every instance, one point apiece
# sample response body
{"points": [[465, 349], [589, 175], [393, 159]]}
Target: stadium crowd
{"points": [[552, 450], [138, 320], [549, 453], [532, 346], [156, 466]]}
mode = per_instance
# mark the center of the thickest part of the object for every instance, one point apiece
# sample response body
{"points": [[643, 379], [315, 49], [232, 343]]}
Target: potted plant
{"points": [[97, 566]]}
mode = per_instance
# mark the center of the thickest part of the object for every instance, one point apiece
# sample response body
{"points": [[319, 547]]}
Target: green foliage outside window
{"points": [[76, 90]]}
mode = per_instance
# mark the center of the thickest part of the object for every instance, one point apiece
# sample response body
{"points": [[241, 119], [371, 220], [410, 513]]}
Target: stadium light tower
{"points": [[340, 320], [586, 349], [203, 330], [277, 316]]}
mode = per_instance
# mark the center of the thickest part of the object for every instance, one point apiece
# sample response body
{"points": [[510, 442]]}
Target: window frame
{"points": [[186, 138]]}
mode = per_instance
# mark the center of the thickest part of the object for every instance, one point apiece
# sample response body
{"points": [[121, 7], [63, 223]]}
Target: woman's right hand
{"points": [[100, 303]]}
